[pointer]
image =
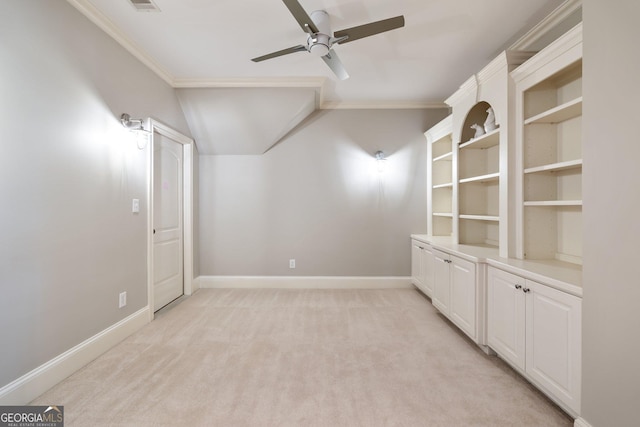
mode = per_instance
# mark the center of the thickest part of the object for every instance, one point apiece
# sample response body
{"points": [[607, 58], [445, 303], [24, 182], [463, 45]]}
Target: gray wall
{"points": [[70, 243], [317, 197], [611, 314]]}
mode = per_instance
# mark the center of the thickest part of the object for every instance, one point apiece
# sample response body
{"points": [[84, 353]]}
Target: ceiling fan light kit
{"points": [[320, 42]]}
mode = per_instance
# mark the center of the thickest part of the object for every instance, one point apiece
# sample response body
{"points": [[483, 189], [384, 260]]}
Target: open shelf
{"points": [[561, 113], [491, 218], [491, 177], [556, 167], [446, 156], [553, 203], [443, 214], [487, 140], [446, 185]]}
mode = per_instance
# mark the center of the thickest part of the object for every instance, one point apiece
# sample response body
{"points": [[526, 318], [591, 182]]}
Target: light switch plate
{"points": [[135, 206]]}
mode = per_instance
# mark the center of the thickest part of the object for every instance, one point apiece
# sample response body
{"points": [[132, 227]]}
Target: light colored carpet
{"points": [[287, 357]]}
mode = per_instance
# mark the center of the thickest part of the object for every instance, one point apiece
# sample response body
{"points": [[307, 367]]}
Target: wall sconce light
{"points": [[380, 160], [131, 124], [136, 125]]}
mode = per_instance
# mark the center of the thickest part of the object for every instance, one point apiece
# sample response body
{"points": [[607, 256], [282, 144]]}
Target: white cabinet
{"points": [[506, 316], [462, 309], [457, 291], [417, 266], [422, 266], [427, 262], [441, 281], [537, 329]]}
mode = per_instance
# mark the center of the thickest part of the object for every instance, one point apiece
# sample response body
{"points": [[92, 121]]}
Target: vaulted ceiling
{"points": [[204, 48]]}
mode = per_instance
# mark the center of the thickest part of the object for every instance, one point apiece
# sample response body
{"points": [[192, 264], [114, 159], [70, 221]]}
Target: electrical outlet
{"points": [[122, 301], [292, 263]]}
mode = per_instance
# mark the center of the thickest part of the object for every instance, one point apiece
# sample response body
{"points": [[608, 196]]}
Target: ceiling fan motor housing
{"points": [[320, 43]]}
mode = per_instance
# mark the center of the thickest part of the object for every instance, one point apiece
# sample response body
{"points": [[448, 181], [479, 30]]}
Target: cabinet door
{"points": [[506, 316], [463, 295], [554, 341], [441, 279], [427, 263], [417, 267]]}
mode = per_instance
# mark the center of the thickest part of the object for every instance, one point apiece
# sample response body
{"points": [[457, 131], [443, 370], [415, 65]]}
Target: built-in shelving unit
{"points": [[549, 138], [479, 183], [440, 185], [503, 255]]}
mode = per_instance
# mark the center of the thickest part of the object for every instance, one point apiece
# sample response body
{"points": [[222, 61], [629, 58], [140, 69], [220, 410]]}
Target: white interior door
{"points": [[168, 276]]}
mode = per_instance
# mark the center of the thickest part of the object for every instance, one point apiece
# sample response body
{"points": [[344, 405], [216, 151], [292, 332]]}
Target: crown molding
{"points": [[382, 105], [440, 129], [547, 24], [469, 87], [506, 60], [572, 39], [315, 83], [106, 25], [252, 82]]}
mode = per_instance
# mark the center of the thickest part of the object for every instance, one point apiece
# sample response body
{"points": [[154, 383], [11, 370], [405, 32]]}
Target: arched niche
{"points": [[477, 115]]}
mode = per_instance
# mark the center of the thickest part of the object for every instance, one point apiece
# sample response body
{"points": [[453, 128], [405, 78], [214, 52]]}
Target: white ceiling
{"points": [[209, 44]]}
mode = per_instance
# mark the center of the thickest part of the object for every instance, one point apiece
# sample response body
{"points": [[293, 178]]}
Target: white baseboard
{"points": [[196, 284], [580, 422], [33, 384], [304, 282]]}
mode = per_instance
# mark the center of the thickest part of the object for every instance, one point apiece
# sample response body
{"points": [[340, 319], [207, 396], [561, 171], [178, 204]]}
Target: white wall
{"points": [[611, 303], [317, 197], [70, 243]]}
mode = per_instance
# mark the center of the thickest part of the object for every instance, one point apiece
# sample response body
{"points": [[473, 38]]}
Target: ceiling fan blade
{"points": [[286, 51], [332, 60], [301, 16], [366, 30]]}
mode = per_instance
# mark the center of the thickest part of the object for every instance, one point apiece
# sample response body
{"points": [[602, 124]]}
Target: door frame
{"points": [[187, 143]]}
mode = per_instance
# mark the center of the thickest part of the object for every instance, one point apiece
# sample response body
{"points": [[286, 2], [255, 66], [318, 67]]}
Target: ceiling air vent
{"points": [[144, 5]]}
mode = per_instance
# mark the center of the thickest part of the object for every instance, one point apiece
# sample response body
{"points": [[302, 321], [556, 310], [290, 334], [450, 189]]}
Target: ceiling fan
{"points": [[319, 40]]}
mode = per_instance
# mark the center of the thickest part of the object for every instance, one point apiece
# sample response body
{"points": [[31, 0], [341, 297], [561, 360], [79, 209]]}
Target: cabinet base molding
{"points": [[488, 350], [305, 282], [34, 383], [580, 422]]}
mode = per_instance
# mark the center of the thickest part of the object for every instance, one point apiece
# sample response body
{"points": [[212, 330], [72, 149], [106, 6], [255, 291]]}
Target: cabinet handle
{"points": [[518, 287], [525, 290]]}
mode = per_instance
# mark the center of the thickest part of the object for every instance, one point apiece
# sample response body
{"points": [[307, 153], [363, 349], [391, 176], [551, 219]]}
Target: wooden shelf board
{"points": [[563, 112], [556, 167], [490, 177], [553, 203], [487, 140], [481, 217], [447, 156], [443, 214], [447, 185]]}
